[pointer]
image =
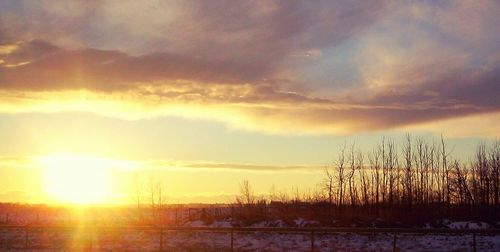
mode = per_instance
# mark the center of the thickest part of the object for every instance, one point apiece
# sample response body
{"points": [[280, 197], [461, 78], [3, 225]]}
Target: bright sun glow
{"points": [[76, 179]]}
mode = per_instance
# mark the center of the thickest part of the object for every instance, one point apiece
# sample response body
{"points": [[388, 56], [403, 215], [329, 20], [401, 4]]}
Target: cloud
{"points": [[3, 35], [38, 65], [26, 162], [162, 84], [250, 31], [408, 64], [217, 166], [485, 125]]}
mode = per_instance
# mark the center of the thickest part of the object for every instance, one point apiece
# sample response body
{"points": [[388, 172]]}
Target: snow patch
{"points": [[468, 225]]}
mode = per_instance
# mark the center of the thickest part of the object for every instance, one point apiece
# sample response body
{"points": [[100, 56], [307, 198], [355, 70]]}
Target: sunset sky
{"points": [[199, 95]]}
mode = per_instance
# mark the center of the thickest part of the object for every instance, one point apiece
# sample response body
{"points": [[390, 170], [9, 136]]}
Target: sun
{"points": [[76, 179]]}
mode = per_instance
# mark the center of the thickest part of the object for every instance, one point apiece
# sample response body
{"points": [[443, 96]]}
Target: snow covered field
{"points": [[136, 240], [149, 240]]}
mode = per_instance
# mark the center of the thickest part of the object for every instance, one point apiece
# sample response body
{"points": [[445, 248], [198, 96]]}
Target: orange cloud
{"points": [[242, 65]]}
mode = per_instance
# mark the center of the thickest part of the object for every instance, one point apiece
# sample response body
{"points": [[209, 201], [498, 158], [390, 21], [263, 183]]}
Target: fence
{"points": [[232, 230]]}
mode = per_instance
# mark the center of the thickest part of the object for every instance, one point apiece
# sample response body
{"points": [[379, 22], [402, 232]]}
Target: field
{"points": [[42, 228], [130, 239]]}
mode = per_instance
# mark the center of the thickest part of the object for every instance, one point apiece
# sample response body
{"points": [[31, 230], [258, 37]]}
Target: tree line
{"points": [[416, 180], [418, 173]]}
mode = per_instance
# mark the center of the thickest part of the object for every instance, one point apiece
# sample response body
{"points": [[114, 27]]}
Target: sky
{"points": [[200, 95]]}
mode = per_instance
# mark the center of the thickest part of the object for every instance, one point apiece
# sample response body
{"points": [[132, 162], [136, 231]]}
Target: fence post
{"points": [[232, 239], [161, 239], [474, 242], [26, 238], [394, 242], [312, 241]]}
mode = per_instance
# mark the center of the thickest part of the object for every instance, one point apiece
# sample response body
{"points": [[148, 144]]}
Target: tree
{"points": [[247, 196], [408, 181]]}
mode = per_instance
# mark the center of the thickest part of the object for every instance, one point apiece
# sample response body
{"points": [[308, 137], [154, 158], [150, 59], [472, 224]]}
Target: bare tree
{"points": [[390, 164], [408, 175], [157, 199], [328, 186], [365, 183], [247, 196], [341, 176], [138, 195], [446, 173], [350, 176], [374, 159], [495, 169]]}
